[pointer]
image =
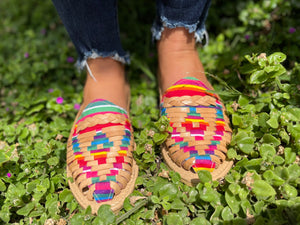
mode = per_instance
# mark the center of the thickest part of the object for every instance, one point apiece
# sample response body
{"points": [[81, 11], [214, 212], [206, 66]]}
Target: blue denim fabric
{"points": [[93, 24], [190, 14]]}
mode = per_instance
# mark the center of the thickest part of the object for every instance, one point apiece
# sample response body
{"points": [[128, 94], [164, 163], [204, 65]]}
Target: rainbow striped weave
{"points": [[101, 152], [197, 129]]}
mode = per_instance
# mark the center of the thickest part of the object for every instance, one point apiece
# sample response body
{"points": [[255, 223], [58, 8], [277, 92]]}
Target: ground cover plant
{"points": [[252, 59]]}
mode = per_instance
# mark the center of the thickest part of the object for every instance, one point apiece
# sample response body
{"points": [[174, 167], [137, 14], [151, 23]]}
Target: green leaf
{"points": [[233, 201], [276, 57], [289, 191], [199, 221], [170, 190], [26, 209], [36, 108], [284, 136], [227, 214], [263, 189], [258, 206], [294, 171], [177, 204], [2, 186], [262, 119], [209, 195], [289, 156], [159, 138], [237, 120], [243, 101], [204, 176], [278, 160], [173, 218], [66, 196], [5, 215], [175, 177], [78, 219], [273, 122], [258, 77], [270, 139], [273, 178], [267, 150], [231, 153], [53, 161], [155, 199], [234, 188], [246, 144], [106, 215]]}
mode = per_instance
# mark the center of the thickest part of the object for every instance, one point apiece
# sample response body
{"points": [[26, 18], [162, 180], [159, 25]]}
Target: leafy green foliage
{"points": [[252, 63]]}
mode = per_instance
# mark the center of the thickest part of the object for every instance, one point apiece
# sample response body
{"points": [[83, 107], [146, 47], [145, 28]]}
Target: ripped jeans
{"points": [[93, 24]]}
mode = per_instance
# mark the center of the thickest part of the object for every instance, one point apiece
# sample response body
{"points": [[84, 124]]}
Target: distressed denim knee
{"points": [[181, 13], [93, 28]]}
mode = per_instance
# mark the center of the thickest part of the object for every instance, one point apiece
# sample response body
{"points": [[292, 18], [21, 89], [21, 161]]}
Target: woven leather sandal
{"points": [[99, 156], [200, 131]]}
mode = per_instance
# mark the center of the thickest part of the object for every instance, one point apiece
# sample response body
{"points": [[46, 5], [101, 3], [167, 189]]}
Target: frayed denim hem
{"points": [[200, 33], [81, 63]]}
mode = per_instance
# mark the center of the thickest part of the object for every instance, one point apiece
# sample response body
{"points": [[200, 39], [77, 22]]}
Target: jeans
{"points": [[93, 24]]}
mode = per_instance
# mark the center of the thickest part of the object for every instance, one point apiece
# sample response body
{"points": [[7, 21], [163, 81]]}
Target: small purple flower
{"points": [[8, 174], [59, 100], [292, 30], [76, 106], [50, 90], [70, 59], [26, 54], [43, 31], [7, 109], [247, 37]]}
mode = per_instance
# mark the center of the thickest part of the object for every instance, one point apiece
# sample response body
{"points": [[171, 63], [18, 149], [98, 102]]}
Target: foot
{"points": [[110, 82], [178, 58]]}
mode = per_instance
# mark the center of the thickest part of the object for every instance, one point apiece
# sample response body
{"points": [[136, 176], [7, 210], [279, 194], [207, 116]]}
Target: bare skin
{"points": [[177, 56], [110, 82]]}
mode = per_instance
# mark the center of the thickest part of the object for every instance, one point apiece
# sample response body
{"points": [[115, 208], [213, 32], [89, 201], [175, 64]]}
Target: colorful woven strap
{"points": [[200, 126], [100, 152]]}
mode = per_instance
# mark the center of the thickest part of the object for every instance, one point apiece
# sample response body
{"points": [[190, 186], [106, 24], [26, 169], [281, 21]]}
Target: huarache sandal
{"points": [[200, 131], [99, 156]]}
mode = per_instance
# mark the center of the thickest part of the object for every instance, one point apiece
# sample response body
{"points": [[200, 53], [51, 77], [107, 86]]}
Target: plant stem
{"points": [[136, 207]]}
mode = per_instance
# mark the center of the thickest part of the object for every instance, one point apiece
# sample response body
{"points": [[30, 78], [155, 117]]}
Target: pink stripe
{"points": [[212, 147], [196, 131], [101, 150], [114, 172], [91, 174], [178, 139], [217, 138], [103, 186], [199, 138], [195, 117], [219, 132]]}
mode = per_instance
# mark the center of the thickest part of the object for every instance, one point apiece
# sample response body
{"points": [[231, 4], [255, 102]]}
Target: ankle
{"points": [[110, 84], [176, 40]]}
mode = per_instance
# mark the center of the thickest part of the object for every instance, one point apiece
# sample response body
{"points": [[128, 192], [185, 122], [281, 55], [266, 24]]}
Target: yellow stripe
{"points": [[220, 122], [122, 152], [187, 85], [99, 153], [195, 120], [77, 156], [201, 168]]}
